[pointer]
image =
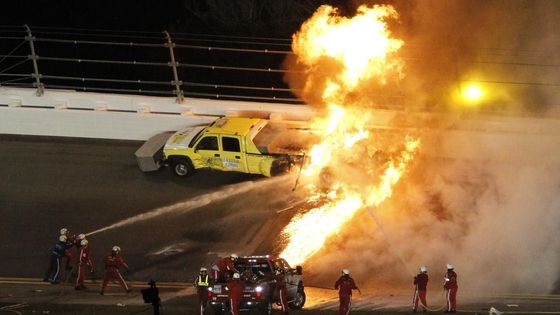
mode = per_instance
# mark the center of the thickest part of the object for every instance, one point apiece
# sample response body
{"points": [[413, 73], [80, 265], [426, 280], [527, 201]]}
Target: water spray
{"points": [[192, 204], [386, 237], [394, 249]]}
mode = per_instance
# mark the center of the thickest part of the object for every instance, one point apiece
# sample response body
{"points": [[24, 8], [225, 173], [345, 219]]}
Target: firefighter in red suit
{"points": [[420, 283], [202, 282], [345, 284], [84, 261], [450, 286], [71, 241], [113, 261], [235, 292], [281, 291], [224, 266]]}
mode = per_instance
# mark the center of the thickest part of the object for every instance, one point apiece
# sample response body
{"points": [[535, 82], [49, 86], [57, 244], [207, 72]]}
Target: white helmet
{"points": [[233, 256], [63, 231], [449, 266], [81, 236], [203, 269], [63, 238], [423, 269], [236, 275], [345, 272], [83, 242], [116, 249]]}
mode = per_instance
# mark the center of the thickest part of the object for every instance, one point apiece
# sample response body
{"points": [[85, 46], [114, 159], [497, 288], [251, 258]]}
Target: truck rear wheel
{"points": [[266, 308], [217, 310], [181, 167]]}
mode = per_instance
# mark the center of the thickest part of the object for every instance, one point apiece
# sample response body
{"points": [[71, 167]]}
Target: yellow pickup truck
{"points": [[247, 145]]}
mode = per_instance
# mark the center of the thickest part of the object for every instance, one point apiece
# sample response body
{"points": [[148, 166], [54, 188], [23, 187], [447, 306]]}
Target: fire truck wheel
{"points": [[299, 299], [181, 167]]}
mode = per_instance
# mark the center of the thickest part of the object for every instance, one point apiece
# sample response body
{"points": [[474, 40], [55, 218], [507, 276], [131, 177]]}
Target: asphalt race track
{"points": [[85, 185]]}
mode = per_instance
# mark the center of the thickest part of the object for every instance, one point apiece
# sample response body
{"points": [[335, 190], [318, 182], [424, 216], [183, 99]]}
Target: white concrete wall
{"points": [[128, 117]]}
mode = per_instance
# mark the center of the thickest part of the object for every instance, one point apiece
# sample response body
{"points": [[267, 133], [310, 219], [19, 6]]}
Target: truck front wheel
{"points": [[181, 167], [299, 298]]}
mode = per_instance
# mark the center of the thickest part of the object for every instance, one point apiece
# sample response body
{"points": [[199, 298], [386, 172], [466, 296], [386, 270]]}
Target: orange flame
{"points": [[361, 44], [362, 48], [307, 233]]}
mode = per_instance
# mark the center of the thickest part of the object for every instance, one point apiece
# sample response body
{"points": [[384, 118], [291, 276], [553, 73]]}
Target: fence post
{"points": [[33, 57], [173, 65]]}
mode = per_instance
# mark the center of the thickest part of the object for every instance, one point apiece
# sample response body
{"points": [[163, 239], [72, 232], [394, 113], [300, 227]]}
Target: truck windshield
{"points": [[195, 139], [254, 267]]}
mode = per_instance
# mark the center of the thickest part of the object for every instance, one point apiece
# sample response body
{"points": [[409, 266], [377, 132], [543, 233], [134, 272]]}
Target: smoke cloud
{"points": [[509, 47], [495, 218], [483, 195]]}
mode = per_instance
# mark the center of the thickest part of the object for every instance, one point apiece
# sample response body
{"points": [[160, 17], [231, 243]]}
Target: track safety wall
{"points": [[130, 117], [125, 117]]}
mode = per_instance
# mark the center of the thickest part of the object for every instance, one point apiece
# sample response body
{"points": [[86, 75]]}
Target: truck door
{"points": [[232, 157], [209, 152], [292, 280]]}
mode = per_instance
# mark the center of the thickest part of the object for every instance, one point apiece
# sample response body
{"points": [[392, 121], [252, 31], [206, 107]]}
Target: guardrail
{"points": [[164, 64]]}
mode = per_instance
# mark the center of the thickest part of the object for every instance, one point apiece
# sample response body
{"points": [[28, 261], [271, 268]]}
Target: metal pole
{"points": [[173, 64], [30, 38]]}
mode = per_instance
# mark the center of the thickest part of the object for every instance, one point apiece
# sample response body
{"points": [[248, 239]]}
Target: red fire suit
{"points": [[345, 285], [224, 265], [235, 292], [112, 263], [72, 240], [84, 260], [201, 283], [281, 293], [451, 288], [420, 282]]}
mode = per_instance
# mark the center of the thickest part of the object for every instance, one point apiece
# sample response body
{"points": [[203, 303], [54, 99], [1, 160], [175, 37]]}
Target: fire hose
{"points": [[434, 309], [385, 236]]}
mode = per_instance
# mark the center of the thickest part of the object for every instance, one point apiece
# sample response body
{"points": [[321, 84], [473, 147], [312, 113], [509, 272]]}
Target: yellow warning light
{"points": [[473, 93]]}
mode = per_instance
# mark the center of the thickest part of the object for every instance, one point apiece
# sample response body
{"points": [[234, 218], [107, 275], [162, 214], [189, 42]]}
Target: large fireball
{"points": [[362, 52]]}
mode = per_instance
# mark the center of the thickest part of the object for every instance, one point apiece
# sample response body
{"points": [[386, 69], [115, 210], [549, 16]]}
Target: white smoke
{"points": [[494, 216], [483, 195]]}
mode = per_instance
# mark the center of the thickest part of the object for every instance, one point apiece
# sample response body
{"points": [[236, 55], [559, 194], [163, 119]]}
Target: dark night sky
{"points": [[280, 18]]}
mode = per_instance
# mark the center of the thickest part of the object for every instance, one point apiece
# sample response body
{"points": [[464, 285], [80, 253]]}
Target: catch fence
{"points": [[148, 63]]}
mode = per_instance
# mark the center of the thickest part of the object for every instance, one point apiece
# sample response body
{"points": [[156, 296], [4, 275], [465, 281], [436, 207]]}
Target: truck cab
{"points": [[239, 144]]}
